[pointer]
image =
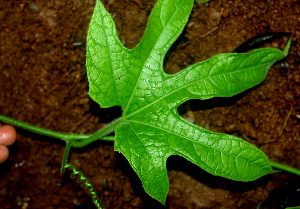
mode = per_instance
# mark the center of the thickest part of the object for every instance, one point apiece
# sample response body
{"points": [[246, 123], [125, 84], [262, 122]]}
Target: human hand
{"points": [[7, 137]]}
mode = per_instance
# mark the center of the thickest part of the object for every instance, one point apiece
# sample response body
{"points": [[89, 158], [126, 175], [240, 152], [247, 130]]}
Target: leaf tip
{"points": [[286, 49]]}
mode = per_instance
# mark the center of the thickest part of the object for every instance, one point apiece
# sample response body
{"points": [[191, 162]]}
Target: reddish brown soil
{"points": [[43, 82]]}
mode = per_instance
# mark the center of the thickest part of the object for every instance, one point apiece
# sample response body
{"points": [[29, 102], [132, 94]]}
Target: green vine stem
{"points": [[81, 139]]}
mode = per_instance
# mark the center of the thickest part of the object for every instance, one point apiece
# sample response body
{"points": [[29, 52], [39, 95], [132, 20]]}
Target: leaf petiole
{"points": [[100, 134], [285, 168]]}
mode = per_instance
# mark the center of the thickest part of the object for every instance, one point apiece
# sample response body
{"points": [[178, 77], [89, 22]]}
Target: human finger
{"points": [[3, 153], [7, 135]]}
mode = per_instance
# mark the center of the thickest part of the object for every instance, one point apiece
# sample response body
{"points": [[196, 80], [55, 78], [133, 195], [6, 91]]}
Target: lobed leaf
{"points": [[151, 128]]}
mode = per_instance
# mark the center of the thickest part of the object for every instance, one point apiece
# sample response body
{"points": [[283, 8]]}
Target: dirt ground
{"points": [[43, 82]]}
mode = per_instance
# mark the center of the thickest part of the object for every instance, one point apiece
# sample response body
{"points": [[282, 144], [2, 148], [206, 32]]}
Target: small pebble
{"points": [[25, 205], [297, 78], [33, 7], [219, 123], [230, 128], [288, 96]]}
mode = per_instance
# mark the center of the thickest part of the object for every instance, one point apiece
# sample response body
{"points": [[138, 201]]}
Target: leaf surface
{"points": [[151, 128]]}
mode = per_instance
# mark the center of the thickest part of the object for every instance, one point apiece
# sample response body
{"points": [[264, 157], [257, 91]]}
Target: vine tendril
{"points": [[64, 167], [91, 191]]}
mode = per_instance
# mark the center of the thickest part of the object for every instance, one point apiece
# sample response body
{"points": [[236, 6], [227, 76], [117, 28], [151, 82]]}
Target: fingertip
{"points": [[8, 135], [3, 153]]}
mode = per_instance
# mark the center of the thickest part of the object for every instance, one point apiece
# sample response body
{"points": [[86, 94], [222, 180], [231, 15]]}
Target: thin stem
{"points": [[63, 136], [66, 154], [108, 129], [42, 131], [285, 168]]}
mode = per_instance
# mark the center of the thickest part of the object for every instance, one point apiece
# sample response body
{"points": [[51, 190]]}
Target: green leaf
{"points": [[202, 1], [151, 130]]}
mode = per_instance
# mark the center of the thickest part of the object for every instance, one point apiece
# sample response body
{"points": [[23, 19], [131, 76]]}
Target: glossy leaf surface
{"points": [[151, 128]]}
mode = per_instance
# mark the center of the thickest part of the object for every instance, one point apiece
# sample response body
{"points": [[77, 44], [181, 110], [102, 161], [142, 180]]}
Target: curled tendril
{"points": [[91, 191]]}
